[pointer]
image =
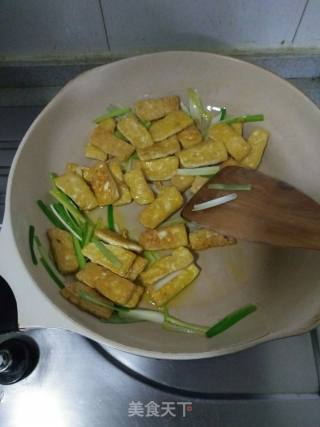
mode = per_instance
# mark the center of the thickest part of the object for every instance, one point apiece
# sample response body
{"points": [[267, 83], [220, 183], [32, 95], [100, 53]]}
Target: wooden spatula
{"points": [[272, 211]]}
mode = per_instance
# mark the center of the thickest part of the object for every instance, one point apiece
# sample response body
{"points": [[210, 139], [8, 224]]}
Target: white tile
{"points": [[43, 27], [199, 24], [308, 34]]}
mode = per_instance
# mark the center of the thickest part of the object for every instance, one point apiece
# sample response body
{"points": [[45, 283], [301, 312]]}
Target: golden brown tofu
{"points": [[182, 182], [110, 144], [161, 293], [77, 189], [171, 124], [92, 152], [160, 169], [135, 132], [156, 108], [204, 239], [257, 140], [230, 162], [107, 124], [103, 185], [139, 188], [125, 195], [198, 183], [116, 288], [169, 200], [137, 267], [125, 257], [238, 127], [164, 148], [87, 173], [72, 292], [236, 146], [203, 154], [170, 237], [116, 239], [61, 244], [136, 297], [189, 137], [74, 167], [179, 259]]}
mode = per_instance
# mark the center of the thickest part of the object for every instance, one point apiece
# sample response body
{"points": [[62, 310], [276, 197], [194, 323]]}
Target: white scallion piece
{"points": [[215, 202], [208, 170]]}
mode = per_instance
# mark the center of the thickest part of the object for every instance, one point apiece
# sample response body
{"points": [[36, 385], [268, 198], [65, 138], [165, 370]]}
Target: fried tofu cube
{"points": [[156, 108], [162, 294], [136, 297], [205, 153], [134, 132], [236, 146], [182, 182], [204, 239], [258, 140], [198, 183], [110, 285], [179, 259], [61, 244], [230, 162], [110, 144], [169, 200], [72, 292], [125, 195], [160, 169], [125, 257], [238, 127], [92, 152], [108, 124], [139, 188], [74, 167], [116, 239], [103, 185], [137, 268], [189, 137], [77, 189], [171, 124], [170, 237], [165, 148]]}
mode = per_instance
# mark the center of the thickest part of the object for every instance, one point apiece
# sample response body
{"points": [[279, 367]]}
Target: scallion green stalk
{"points": [[48, 213], [60, 214], [68, 205], [77, 248], [106, 252], [202, 171], [48, 265], [230, 320], [244, 118], [112, 113], [151, 256], [110, 218], [230, 187]]}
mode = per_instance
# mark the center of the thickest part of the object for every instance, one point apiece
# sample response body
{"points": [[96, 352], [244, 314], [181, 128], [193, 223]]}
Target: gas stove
{"points": [[77, 382]]}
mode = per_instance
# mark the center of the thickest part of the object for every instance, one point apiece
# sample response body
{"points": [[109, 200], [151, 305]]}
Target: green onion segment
{"points": [[171, 322], [214, 202], [106, 252], [203, 171], [112, 113], [110, 218], [230, 187]]}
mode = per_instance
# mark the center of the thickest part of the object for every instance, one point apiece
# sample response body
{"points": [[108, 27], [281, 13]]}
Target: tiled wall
{"points": [[89, 27]]}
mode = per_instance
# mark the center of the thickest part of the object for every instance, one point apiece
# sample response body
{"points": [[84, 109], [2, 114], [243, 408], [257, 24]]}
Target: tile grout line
{"points": [[300, 20], [104, 24]]}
